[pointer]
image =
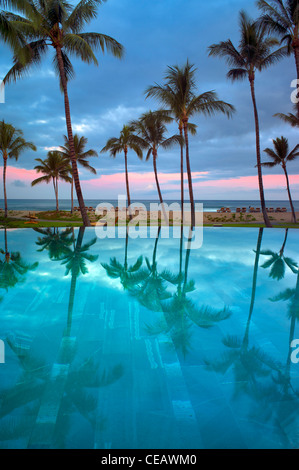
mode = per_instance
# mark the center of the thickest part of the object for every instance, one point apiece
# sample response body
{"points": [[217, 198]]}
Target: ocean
{"points": [[208, 205]]}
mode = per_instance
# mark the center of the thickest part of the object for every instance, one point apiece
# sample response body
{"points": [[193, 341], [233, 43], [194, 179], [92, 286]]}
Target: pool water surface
{"points": [[146, 344]]}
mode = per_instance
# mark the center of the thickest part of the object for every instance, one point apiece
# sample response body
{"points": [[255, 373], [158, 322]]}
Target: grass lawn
{"points": [[70, 222]]}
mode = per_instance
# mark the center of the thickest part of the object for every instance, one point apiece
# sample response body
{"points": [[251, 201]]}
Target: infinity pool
{"points": [[145, 344]]}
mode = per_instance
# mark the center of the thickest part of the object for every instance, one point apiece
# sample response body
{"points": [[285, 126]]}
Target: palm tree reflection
{"points": [[54, 241], [180, 313], [129, 276], [247, 362], [13, 268], [278, 261]]}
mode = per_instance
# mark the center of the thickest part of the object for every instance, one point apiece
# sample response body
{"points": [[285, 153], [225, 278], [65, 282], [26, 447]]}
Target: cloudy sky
{"points": [[155, 34]]}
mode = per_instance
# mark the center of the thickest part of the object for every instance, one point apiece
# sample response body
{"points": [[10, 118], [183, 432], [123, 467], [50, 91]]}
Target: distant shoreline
{"points": [[20, 219], [208, 205]]}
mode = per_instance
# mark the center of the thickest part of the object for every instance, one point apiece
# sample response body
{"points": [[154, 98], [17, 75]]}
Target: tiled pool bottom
{"points": [[144, 344]]}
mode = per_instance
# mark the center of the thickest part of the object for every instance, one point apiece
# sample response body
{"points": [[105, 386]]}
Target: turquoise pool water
{"points": [[145, 344]]}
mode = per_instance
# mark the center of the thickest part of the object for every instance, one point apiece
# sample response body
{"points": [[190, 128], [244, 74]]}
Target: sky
{"points": [[155, 34]]}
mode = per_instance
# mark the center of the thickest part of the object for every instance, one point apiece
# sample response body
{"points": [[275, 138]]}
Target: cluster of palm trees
{"points": [[258, 49], [57, 165], [180, 100], [57, 24]]}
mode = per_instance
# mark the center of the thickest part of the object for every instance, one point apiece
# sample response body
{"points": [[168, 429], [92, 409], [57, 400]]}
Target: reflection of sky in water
{"points": [[109, 324]]}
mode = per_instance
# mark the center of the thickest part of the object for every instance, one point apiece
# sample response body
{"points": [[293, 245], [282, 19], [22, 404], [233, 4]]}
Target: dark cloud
{"points": [[18, 184]]}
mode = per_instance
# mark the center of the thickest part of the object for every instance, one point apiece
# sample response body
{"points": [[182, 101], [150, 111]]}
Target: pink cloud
{"points": [[145, 182], [249, 182], [139, 181], [21, 174]]}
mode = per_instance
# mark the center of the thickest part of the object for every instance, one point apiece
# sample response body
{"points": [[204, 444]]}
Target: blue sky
{"points": [[155, 34]]}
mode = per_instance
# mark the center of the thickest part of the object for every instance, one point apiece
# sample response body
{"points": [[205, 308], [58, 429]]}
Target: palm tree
{"points": [[81, 157], [54, 168], [171, 99], [179, 94], [57, 24], [280, 156], [281, 17], [151, 128], [9, 32], [255, 53], [290, 118], [127, 140], [12, 144]]}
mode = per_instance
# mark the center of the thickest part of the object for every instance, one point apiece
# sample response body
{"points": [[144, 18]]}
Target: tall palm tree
{"points": [[151, 128], [12, 144], [54, 168], [81, 157], [255, 53], [280, 155], [171, 98], [281, 17], [127, 140], [58, 24], [179, 94]]}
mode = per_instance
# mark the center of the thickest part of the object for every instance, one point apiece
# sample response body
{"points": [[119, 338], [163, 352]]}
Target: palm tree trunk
{"points": [[4, 184], [289, 193], [189, 173], [72, 195], [182, 175], [158, 186], [81, 202], [56, 194], [57, 203], [258, 154], [127, 183]]}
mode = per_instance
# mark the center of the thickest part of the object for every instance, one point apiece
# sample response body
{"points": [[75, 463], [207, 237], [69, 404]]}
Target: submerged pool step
{"points": [[43, 431]]}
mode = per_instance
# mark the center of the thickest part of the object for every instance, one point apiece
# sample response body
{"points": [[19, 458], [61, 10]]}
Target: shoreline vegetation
{"points": [[33, 219]]}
